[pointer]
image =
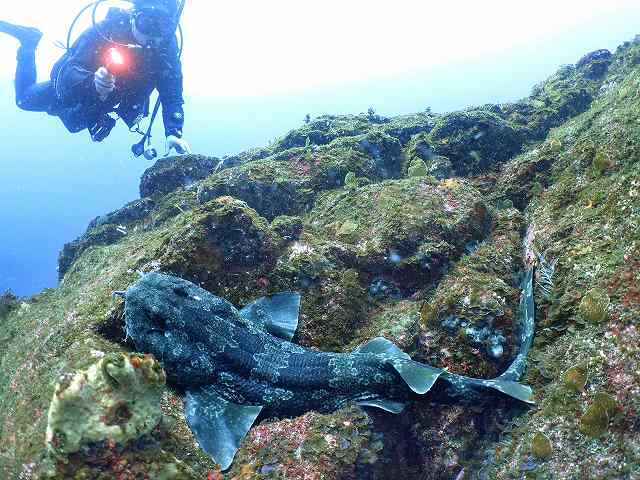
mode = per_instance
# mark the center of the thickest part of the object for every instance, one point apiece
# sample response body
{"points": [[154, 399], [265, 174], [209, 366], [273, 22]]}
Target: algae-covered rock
{"points": [[169, 174], [400, 232], [8, 302], [289, 228], [474, 140], [116, 399], [223, 237], [469, 323], [288, 183], [333, 446]]}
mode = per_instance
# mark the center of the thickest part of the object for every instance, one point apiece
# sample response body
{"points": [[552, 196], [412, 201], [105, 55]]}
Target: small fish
{"points": [[237, 364]]}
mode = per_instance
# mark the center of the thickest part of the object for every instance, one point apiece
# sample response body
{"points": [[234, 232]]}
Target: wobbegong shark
{"points": [[237, 364]]}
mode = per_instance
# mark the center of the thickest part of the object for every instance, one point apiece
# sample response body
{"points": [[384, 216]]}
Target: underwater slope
{"points": [[401, 227]]}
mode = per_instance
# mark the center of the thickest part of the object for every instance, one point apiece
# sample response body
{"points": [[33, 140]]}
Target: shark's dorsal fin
{"points": [[418, 376], [276, 314], [218, 425]]}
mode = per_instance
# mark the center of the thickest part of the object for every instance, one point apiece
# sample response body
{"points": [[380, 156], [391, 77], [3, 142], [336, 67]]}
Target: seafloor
{"points": [[408, 227]]}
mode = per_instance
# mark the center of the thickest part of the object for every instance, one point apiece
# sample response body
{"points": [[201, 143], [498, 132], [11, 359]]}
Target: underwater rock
{"points": [[289, 228], [331, 446], [402, 230], [8, 302], [380, 287], [130, 213], [116, 399], [169, 174], [474, 140], [398, 322], [594, 65], [288, 183], [332, 309], [101, 235], [469, 323], [221, 239]]}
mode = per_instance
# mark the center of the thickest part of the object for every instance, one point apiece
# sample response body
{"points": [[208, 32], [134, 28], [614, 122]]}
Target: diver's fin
{"points": [[388, 405], [513, 389], [277, 314], [418, 376], [218, 425]]}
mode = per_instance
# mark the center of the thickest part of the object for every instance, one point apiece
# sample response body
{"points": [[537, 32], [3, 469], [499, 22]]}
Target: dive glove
{"points": [[178, 144], [104, 82]]}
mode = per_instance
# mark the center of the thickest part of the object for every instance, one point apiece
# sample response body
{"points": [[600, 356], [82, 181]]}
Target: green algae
{"points": [[593, 306], [350, 180], [418, 168], [575, 378], [595, 420], [541, 446]]}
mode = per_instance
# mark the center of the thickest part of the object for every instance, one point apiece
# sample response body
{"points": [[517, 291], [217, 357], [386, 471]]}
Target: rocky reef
{"points": [[409, 227]]}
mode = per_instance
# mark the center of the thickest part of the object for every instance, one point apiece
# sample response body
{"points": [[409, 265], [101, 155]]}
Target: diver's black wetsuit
{"points": [[71, 94]]}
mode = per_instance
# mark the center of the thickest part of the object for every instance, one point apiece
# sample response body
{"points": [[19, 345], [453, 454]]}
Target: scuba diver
{"points": [[113, 67]]}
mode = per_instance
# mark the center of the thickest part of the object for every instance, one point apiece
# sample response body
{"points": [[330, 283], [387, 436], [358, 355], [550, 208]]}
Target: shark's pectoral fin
{"points": [[388, 405], [276, 314], [218, 425], [418, 376]]}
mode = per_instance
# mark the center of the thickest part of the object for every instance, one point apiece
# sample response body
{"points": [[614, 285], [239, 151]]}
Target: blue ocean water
{"points": [[53, 183]]}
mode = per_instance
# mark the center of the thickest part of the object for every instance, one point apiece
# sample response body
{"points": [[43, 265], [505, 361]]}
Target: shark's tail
{"points": [[420, 377], [507, 383]]}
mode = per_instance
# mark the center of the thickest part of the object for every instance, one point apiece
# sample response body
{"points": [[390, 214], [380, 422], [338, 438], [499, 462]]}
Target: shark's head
{"points": [[173, 319]]}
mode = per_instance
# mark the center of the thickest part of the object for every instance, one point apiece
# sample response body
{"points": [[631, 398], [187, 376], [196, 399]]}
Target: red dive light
{"points": [[115, 61]]}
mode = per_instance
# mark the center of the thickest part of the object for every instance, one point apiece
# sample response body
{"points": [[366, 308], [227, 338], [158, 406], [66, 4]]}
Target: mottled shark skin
{"points": [[236, 364]]}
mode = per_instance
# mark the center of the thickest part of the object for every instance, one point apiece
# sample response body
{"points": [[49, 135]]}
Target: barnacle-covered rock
{"points": [[116, 399]]}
